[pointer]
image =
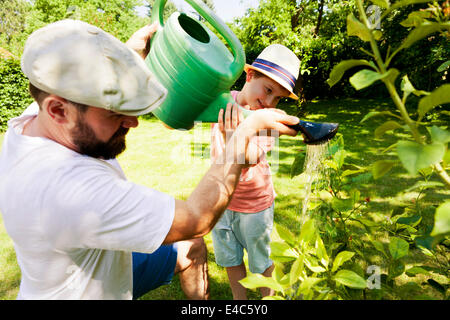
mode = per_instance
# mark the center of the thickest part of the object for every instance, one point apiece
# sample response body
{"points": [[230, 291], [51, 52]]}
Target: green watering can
{"points": [[198, 70], [194, 65]]}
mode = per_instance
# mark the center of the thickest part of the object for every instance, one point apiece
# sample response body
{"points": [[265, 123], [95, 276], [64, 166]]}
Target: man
{"points": [[80, 229]]}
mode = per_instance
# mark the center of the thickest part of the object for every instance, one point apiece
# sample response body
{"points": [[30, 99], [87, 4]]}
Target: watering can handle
{"points": [[216, 22]]}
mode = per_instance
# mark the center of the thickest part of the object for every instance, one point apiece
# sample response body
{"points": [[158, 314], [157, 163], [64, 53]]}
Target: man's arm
{"points": [[196, 216]]}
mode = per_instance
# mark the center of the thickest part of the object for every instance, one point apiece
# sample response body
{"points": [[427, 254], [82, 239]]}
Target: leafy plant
{"points": [[318, 265], [312, 273], [14, 96], [423, 148], [420, 151], [338, 239]]}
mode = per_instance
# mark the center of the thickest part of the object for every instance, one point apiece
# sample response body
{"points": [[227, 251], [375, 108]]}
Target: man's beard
{"points": [[88, 144]]}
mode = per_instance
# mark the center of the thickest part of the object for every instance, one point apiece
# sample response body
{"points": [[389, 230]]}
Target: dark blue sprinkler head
{"points": [[316, 132]]}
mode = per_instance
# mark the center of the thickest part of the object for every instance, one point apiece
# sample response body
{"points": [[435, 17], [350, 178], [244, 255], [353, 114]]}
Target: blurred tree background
{"points": [[316, 31]]}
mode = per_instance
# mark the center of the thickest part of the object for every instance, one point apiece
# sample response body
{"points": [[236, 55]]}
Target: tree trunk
{"points": [[296, 16], [319, 18]]}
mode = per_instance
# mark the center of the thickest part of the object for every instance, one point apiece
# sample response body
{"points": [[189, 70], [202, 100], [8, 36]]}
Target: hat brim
{"points": [[274, 78]]}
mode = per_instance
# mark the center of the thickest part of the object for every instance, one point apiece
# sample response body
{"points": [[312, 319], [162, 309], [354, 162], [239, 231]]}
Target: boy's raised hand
{"points": [[229, 119]]}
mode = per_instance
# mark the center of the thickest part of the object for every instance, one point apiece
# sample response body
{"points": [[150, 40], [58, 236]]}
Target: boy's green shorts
{"points": [[236, 231]]}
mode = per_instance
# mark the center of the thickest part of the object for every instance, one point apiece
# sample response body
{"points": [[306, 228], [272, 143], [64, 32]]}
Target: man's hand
{"points": [[140, 40]]}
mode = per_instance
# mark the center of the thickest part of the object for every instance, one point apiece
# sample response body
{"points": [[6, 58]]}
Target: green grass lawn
{"points": [[174, 161], [9, 270]]}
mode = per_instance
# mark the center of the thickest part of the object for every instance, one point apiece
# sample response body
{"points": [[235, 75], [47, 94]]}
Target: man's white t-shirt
{"points": [[74, 220]]}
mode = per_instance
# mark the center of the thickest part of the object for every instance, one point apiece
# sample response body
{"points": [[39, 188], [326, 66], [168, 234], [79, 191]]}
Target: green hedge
{"points": [[14, 95]]}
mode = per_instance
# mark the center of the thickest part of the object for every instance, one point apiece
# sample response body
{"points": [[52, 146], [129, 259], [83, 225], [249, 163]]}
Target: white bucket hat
{"points": [[280, 64], [84, 64]]}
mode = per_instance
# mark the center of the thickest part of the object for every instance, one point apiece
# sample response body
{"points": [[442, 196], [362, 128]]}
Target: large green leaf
{"points": [[296, 270], [350, 279], [398, 247], [313, 264], [365, 78], [381, 167], [282, 252], [415, 157], [356, 28], [387, 126], [411, 272], [256, 280], [401, 3], [285, 234], [419, 33], [439, 135], [336, 144], [416, 18], [439, 96], [339, 157], [342, 257], [442, 220], [381, 3], [339, 70], [279, 275], [307, 231], [422, 31], [321, 252]]}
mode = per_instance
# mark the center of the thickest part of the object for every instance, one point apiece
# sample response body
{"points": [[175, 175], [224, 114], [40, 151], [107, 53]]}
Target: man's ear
{"points": [[57, 108]]}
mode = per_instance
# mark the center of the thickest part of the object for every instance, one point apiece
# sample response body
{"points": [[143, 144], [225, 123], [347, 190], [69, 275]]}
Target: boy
{"points": [[248, 220]]}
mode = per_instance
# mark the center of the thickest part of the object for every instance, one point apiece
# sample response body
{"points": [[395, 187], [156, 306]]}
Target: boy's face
{"points": [[263, 92]]}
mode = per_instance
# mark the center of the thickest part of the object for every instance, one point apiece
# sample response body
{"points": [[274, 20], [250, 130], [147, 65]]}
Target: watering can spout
{"points": [[211, 113]]}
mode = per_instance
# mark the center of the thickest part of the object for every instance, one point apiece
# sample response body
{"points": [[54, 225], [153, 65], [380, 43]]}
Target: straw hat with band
{"points": [[280, 64]]}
